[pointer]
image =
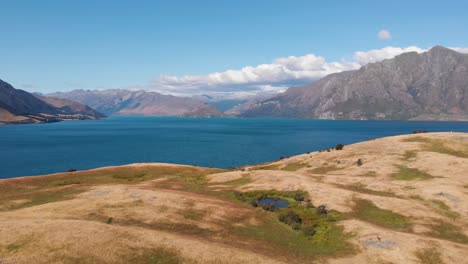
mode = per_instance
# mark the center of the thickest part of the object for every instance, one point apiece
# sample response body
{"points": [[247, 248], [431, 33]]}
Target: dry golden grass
{"points": [[163, 213]]}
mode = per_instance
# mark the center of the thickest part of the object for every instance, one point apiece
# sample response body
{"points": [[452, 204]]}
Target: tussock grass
{"points": [[367, 211]]}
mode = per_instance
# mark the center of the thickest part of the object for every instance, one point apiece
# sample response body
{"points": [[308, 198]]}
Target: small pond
{"points": [[279, 203]]}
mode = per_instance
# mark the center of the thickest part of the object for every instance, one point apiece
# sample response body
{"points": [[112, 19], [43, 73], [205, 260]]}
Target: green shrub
{"points": [[290, 218], [254, 203], [339, 147], [299, 197], [269, 207], [360, 162], [309, 231], [322, 210]]}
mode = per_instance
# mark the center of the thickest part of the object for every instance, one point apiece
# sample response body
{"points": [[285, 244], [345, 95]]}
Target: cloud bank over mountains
{"points": [[274, 77]]}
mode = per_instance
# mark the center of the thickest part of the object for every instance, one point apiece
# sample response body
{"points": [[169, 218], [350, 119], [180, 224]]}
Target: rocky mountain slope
{"points": [[399, 199], [125, 102], [18, 106], [431, 85]]}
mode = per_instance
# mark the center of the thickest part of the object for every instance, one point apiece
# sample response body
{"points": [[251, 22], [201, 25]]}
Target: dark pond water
{"points": [[278, 203]]}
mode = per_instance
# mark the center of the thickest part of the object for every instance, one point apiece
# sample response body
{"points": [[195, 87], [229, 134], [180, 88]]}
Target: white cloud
{"points": [[377, 55], [274, 77], [384, 34], [461, 50]]}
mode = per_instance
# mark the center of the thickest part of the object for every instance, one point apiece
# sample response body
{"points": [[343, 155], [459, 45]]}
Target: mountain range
{"points": [[428, 86], [18, 106], [126, 102], [431, 85]]}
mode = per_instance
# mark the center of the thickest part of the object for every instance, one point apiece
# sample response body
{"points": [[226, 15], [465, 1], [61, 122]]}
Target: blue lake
{"points": [[219, 142]]}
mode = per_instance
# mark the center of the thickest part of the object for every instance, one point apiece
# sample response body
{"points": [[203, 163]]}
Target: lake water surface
{"points": [[219, 142]]}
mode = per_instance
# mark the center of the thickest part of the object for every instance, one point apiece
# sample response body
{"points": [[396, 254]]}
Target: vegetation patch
{"points": [[159, 255], [245, 179], [440, 146], [192, 214], [129, 177], [429, 256], [448, 231], [294, 166], [410, 154], [367, 211], [408, 174], [39, 197], [301, 228], [267, 167], [325, 169], [361, 188], [370, 174]]}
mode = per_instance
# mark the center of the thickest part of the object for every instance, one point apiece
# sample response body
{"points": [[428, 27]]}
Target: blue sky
{"points": [[51, 46]]}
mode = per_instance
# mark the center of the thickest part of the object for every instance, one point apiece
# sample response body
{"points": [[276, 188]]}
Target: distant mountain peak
{"points": [[430, 85]]}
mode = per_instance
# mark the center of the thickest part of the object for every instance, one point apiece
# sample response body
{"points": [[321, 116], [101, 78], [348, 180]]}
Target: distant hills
{"points": [[18, 106], [126, 102], [428, 86]]}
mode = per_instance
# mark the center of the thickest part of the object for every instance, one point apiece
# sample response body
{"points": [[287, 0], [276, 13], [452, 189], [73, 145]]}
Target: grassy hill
{"points": [[401, 199]]}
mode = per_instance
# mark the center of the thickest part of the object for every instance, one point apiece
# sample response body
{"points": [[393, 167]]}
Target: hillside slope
{"points": [[399, 199], [431, 86], [18, 106]]}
